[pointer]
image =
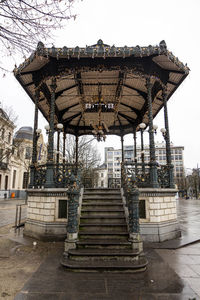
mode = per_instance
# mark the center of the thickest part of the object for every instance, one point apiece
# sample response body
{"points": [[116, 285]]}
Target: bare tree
{"points": [[25, 22], [88, 154]]}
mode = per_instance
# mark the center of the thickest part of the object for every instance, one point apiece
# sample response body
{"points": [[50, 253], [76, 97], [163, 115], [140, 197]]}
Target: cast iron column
{"points": [[167, 140], [135, 153], [64, 141], [122, 146], [34, 153], [76, 152], [58, 146], [50, 164], [152, 164], [142, 152], [135, 146]]}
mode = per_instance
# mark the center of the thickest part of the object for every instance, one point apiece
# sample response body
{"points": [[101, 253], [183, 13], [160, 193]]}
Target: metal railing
{"points": [[139, 174], [61, 174], [19, 218]]}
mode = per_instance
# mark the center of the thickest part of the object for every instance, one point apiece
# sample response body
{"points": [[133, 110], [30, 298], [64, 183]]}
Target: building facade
{"points": [[15, 157], [113, 158], [6, 148]]}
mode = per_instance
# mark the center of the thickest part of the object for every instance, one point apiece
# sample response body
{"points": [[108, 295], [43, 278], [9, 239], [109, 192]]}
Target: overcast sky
{"points": [[132, 23]]}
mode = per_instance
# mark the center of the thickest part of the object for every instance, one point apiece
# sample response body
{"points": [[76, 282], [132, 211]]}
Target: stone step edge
{"points": [[104, 242], [102, 210], [104, 252], [104, 233], [103, 204], [139, 265], [102, 217], [103, 224]]}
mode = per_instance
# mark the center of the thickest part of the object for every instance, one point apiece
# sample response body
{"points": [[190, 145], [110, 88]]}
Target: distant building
{"points": [[6, 143], [101, 175], [113, 158], [15, 157]]}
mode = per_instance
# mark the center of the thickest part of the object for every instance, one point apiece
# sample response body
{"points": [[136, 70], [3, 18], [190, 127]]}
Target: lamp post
{"points": [[142, 126], [59, 129]]}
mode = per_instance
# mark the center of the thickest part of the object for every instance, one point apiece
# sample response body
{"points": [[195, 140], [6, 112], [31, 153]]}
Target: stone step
{"points": [[101, 191], [121, 235], [102, 200], [127, 266], [102, 213], [102, 196], [103, 254], [104, 244], [102, 220], [112, 228], [105, 206]]}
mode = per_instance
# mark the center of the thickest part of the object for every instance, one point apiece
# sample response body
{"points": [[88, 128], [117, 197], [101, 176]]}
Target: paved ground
{"points": [[172, 274], [8, 210]]}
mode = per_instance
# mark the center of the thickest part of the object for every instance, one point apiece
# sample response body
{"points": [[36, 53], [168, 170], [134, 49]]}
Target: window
{"points": [[1, 154], [102, 183], [28, 153], [6, 182], [62, 209], [14, 178], [142, 209], [110, 155], [101, 174], [117, 153], [25, 180], [3, 133], [9, 137]]}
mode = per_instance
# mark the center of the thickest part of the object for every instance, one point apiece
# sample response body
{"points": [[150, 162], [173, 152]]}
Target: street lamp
{"points": [[59, 129], [163, 131], [142, 127], [47, 128]]}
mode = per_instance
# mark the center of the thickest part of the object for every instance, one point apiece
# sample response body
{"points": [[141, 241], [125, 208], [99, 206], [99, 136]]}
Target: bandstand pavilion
{"points": [[101, 90]]}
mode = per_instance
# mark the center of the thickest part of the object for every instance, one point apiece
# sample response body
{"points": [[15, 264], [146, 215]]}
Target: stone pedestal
{"points": [[160, 222], [43, 221]]}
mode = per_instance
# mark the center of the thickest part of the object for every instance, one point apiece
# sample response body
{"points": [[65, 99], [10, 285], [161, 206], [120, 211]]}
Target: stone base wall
{"points": [[43, 220], [161, 222], [160, 205], [55, 231]]}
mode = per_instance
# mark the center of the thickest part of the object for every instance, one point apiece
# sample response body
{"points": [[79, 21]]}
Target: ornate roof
{"points": [[24, 133], [101, 84]]}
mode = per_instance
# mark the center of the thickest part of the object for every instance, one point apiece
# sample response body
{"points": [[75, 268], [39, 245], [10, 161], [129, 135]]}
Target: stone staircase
{"points": [[103, 243]]}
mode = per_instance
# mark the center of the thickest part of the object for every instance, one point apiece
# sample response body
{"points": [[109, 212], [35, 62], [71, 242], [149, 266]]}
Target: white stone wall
{"points": [[159, 207], [41, 208]]}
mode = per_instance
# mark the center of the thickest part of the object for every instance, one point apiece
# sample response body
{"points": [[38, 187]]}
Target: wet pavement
{"points": [[172, 274], [8, 210]]}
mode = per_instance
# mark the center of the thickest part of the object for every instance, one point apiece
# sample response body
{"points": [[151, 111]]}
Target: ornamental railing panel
{"points": [[163, 176], [139, 174], [40, 176], [61, 175]]}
